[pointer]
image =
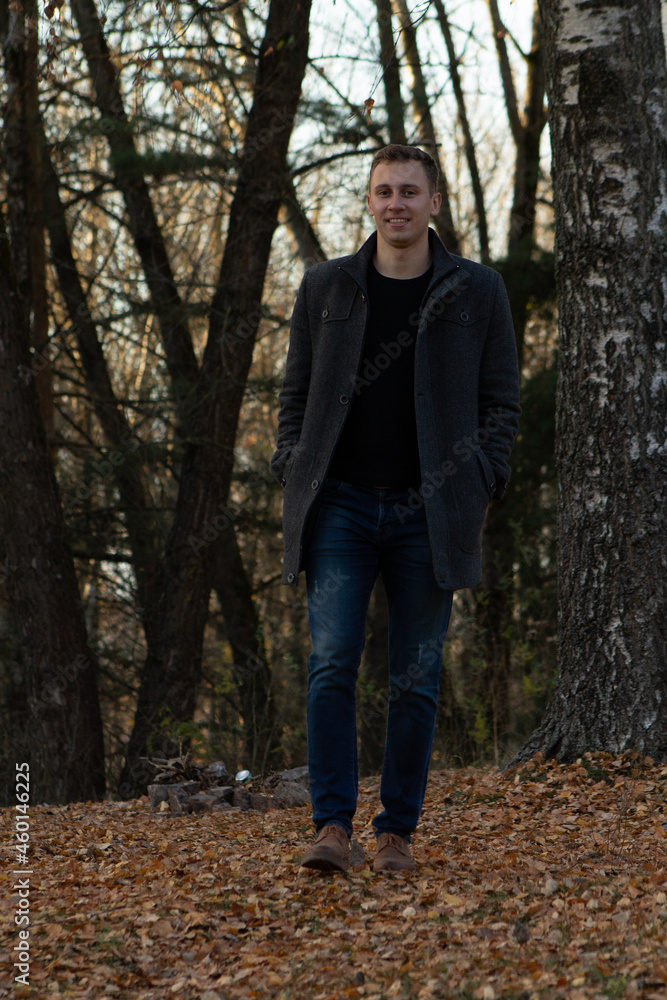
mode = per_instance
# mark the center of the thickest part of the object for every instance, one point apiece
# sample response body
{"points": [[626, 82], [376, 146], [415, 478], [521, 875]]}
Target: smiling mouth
{"points": [[393, 221]]}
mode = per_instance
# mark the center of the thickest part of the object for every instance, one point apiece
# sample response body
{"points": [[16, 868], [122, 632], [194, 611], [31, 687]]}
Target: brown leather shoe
{"points": [[330, 852], [393, 854]]}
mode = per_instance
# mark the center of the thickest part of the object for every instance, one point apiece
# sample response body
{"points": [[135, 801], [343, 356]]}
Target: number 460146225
{"points": [[22, 806]]}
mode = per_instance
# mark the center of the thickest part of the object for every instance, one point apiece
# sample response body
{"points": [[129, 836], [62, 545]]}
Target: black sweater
{"points": [[378, 444]]}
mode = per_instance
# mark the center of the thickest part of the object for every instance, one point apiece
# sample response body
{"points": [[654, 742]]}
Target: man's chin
{"points": [[398, 240]]}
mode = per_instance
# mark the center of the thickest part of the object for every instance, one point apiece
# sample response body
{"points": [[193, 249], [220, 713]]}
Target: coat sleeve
{"points": [[499, 390], [296, 382]]}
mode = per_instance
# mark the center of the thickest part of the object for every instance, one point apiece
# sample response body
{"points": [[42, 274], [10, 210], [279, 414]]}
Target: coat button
{"points": [[464, 317], [325, 313], [344, 398], [315, 483], [363, 298], [283, 481], [290, 577]]}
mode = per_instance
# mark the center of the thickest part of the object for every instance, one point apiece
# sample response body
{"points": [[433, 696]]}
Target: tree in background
{"points": [[176, 568], [493, 668], [155, 133], [62, 735], [527, 272], [607, 83]]}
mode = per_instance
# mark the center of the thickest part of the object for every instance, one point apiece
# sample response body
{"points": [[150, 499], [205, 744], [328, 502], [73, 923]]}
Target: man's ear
{"points": [[368, 204], [436, 203]]}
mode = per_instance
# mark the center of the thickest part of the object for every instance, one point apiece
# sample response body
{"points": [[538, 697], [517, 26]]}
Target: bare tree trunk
{"points": [[173, 667], [197, 527], [391, 74], [608, 118], [494, 610], [469, 144], [64, 736], [444, 221], [66, 752], [127, 465], [521, 238], [36, 250], [301, 228], [526, 128], [141, 219], [251, 671]]}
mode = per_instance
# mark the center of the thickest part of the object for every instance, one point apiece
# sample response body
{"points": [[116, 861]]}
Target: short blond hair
{"points": [[395, 153]]}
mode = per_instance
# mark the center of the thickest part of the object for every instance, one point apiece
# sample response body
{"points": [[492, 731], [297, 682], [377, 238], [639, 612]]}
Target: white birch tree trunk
{"points": [[608, 118]]}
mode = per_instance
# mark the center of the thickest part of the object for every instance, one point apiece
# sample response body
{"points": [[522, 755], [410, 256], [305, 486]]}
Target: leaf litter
{"points": [[544, 882]]}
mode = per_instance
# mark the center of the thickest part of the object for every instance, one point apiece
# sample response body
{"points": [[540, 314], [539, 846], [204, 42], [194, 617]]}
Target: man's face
{"points": [[400, 200]]}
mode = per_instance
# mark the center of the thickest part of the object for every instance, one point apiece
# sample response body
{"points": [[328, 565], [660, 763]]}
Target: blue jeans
{"points": [[360, 532]]}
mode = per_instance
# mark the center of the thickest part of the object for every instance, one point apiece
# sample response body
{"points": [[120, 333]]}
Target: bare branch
{"points": [[469, 143], [509, 90], [444, 220]]}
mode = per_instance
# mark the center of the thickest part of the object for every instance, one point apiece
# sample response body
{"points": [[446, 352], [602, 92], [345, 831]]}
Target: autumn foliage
{"points": [[545, 882]]}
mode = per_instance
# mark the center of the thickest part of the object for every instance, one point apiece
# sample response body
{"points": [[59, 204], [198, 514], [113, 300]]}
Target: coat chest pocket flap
{"points": [[333, 309], [465, 316]]}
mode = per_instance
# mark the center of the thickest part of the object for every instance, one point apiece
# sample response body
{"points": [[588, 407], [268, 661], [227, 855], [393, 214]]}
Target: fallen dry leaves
{"points": [[546, 882]]}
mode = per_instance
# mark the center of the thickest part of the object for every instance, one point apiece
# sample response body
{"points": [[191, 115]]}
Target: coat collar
{"points": [[444, 263]]}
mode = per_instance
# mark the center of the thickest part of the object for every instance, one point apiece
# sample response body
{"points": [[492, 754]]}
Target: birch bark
{"points": [[608, 118]]}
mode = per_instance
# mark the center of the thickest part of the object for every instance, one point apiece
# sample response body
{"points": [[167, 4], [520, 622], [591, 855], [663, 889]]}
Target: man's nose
{"points": [[396, 202]]}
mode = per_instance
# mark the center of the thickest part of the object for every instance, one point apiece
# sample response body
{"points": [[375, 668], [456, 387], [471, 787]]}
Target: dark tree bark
{"points": [[527, 136], [607, 85], [237, 602], [39, 320], [24, 205], [66, 753], [444, 220], [251, 671], [469, 143], [301, 228], [127, 465], [173, 667], [495, 609], [141, 218], [391, 73]]}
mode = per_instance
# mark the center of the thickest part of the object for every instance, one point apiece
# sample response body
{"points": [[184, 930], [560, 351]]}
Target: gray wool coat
{"points": [[466, 400]]}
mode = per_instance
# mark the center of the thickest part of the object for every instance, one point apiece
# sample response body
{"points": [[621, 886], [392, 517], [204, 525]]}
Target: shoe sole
{"points": [[325, 864]]}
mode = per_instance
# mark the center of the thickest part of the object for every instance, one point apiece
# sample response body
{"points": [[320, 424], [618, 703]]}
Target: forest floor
{"points": [[548, 881]]}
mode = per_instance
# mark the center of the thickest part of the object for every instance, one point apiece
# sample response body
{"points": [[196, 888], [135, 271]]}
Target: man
{"points": [[399, 409]]}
